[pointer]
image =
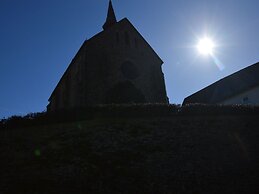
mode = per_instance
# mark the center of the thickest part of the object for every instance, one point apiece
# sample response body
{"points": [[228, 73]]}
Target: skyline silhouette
{"points": [[39, 39]]}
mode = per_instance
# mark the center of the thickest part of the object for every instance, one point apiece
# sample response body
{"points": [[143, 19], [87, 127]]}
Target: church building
{"points": [[116, 66]]}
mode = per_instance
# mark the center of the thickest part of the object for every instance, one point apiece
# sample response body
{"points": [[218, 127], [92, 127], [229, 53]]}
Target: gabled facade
{"points": [[241, 87], [115, 66]]}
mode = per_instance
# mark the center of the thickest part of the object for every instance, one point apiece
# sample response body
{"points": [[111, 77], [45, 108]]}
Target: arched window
{"points": [[129, 70], [117, 37], [136, 43], [127, 39], [124, 92]]}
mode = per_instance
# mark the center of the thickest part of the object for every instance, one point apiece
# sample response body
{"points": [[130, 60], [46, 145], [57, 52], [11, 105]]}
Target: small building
{"points": [[116, 65], [241, 87]]}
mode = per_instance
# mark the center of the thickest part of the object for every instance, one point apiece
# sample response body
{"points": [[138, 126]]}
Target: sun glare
{"points": [[205, 46]]}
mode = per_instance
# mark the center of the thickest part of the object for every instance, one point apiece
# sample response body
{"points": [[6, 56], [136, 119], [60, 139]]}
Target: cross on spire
{"points": [[111, 18]]}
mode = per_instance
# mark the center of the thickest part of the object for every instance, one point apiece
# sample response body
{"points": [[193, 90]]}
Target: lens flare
{"points": [[205, 46]]}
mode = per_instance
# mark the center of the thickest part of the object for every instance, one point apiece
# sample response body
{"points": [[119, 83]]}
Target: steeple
{"points": [[111, 18]]}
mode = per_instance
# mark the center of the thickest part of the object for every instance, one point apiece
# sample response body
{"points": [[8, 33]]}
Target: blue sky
{"points": [[38, 39]]}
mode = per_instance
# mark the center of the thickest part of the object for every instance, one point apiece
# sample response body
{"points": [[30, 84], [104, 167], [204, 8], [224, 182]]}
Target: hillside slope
{"points": [[176, 154]]}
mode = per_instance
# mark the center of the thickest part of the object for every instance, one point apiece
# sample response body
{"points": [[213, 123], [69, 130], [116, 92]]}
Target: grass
{"points": [[155, 152]]}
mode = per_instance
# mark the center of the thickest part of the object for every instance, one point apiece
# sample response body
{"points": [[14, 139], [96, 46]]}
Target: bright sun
{"points": [[205, 46]]}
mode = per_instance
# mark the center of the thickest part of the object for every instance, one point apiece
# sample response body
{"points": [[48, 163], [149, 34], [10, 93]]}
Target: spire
{"points": [[111, 18]]}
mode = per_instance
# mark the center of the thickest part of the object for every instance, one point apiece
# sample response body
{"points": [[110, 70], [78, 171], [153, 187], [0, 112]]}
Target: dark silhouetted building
{"points": [[241, 87], [115, 66]]}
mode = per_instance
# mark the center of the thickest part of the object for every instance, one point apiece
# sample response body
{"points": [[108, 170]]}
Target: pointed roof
{"points": [[111, 18]]}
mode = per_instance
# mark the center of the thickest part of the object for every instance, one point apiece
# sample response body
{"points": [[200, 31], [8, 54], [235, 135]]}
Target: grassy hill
{"points": [[132, 149]]}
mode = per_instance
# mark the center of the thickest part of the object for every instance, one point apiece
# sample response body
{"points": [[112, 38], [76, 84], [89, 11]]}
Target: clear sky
{"points": [[38, 39]]}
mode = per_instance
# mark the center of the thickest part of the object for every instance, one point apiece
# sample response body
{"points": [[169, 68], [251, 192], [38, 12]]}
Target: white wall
{"points": [[248, 97]]}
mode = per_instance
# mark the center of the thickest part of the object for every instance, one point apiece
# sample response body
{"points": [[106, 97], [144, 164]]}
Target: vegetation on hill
{"points": [[126, 111], [132, 149]]}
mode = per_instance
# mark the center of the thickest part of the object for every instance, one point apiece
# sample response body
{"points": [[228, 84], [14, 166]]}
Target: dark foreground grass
{"points": [[178, 153]]}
